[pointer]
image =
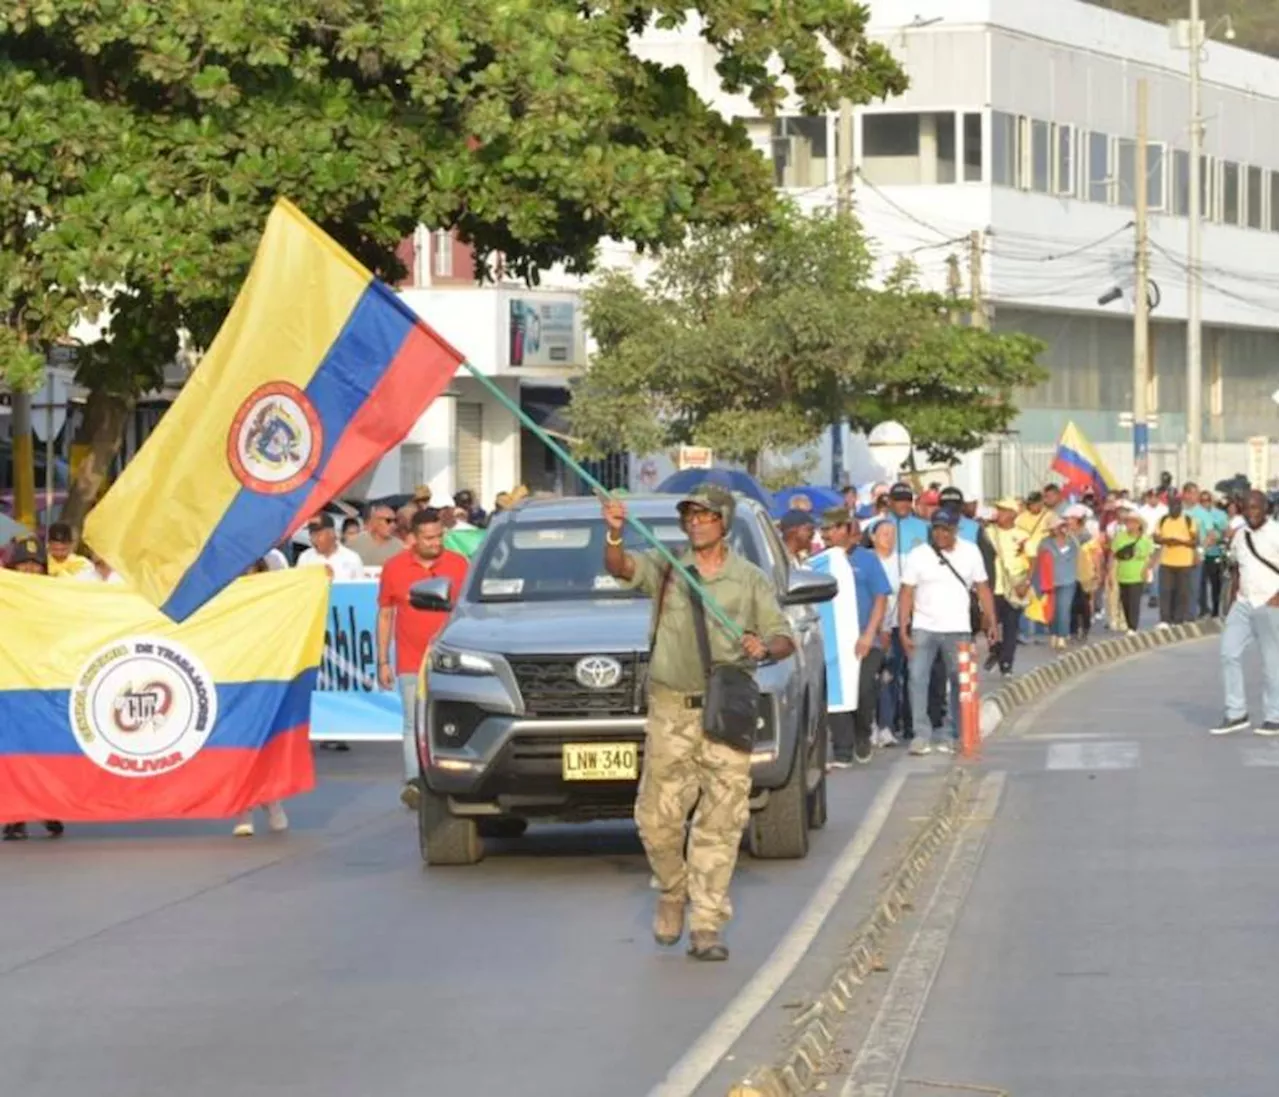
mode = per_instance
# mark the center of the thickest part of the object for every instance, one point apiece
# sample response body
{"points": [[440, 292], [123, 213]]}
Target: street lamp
{"points": [[1190, 34]]}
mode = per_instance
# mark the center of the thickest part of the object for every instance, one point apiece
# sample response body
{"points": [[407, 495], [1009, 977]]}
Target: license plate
{"points": [[601, 761]]}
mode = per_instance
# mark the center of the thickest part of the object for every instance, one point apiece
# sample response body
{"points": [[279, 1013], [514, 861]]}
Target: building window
{"points": [[799, 146], [1230, 193], [891, 148], [1099, 167], [972, 148], [1126, 171], [1208, 192], [943, 128], [1064, 160], [1273, 210], [1004, 149], [1156, 197], [1041, 157], [1253, 198], [442, 254], [1180, 199]]}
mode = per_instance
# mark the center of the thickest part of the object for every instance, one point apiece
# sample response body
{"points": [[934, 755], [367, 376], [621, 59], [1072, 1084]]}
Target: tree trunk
{"points": [[753, 463], [105, 417]]}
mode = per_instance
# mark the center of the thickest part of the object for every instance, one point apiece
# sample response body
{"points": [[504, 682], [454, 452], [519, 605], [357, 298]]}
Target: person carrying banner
{"points": [[413, 629], [683, 765], [27, 556]]}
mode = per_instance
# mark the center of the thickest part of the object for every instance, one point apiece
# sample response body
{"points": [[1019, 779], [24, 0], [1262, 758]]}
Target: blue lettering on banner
{"points": [[348, 702]]}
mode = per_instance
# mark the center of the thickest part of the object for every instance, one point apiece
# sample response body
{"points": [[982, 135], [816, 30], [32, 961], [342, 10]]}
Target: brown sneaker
{"points": [[668, 921], [705, 944], [410, 795]]}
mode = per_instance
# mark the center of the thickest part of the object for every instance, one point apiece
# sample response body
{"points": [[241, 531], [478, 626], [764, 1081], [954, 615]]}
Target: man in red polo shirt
{"points": [[414, 629]]}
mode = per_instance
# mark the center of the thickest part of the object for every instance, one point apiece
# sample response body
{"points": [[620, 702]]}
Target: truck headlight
{"points": [[449, 661]]}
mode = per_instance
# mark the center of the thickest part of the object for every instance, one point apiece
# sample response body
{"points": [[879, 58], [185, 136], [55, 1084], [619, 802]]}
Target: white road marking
{"points": [[1260, 754], [710, 1048], [1092, 756], [879, 1063]]}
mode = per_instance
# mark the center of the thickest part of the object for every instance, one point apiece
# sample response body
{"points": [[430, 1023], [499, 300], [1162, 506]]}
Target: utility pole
{"points": [[844, 207], [977, 310], [953, 287], [1197, 37], [1141, 343], [24, 467], [844, 159]]}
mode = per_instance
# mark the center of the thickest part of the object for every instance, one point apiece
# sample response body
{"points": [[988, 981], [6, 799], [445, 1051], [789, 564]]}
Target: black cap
{"points": [[951, 494], [1035, 497], [323, 520], [797, 519], [901, 492], [60, 532], [943, 517], [26, 550]]}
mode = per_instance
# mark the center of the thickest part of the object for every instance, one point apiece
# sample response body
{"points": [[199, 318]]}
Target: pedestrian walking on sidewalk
{"points": [[934, 618], [1057, 571], [1131, 551], [1012, 580], [1253, 617], [1179, 545], [683, 765]]}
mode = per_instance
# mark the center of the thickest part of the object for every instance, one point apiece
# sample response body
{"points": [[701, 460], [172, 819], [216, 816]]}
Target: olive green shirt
{"points": [[741, 589]]}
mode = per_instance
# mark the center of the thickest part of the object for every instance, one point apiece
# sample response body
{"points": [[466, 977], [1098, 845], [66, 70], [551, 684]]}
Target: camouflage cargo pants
{"points": [[683, 767]]}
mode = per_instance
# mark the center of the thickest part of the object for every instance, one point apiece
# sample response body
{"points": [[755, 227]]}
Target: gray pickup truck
{"points": [[534, 699]]}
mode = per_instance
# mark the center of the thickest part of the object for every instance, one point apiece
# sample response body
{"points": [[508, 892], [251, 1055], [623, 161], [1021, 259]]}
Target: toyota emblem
{"points": [[598, 672]]}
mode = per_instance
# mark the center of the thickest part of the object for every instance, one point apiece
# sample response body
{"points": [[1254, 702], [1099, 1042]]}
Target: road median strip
{"points": [[814, 1029]]}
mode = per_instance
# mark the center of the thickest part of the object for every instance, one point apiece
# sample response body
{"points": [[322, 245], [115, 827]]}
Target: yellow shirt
{"points": [[1036, 527], [1177, 556], [74, 564], [1012, 565]]}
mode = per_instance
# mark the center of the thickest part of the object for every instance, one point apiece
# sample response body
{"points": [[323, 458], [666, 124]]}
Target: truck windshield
{"points": [[564, 560]]}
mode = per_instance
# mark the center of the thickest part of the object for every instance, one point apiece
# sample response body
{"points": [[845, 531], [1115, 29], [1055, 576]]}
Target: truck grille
{"points": [[550, 687]]}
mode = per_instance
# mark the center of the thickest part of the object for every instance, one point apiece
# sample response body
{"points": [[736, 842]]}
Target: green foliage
{"points": [[142, 144], [1257, 22], [758, 337]]}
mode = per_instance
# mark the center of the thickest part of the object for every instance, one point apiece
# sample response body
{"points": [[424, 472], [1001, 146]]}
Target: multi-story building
{"points": [[1020, 126]]}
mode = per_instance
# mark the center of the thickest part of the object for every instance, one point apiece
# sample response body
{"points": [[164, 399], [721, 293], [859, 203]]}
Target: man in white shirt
{"points": [[1254, 616], [343, 565], [933, 618]]}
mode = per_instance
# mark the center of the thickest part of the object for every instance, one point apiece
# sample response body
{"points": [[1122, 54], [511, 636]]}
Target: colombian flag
{"points": [[318, 370], [1078, 463], [109, 711]]}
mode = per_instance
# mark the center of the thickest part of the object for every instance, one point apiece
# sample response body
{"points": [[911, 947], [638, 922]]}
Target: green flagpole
{"points": [[514, 407]]}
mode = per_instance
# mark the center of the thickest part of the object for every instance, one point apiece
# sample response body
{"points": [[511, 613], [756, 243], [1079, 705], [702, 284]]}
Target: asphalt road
{"points": [[1120, 934], [174, 959]]}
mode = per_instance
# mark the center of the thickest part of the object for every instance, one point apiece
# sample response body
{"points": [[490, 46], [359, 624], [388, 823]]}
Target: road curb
{"points": [[810, 1044], [797, 1068]]}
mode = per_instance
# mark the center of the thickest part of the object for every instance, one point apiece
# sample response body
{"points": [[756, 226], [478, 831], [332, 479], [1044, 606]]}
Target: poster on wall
{"points": [[543, 332]]}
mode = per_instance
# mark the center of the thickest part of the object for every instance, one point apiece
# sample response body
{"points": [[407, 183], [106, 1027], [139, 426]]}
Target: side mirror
{"points": [[431, 594], [806, 587]]}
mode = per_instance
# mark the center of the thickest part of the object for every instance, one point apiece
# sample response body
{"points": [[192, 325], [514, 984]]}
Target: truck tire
{"points": [[444, 838], [817, 799], [779, 831]]}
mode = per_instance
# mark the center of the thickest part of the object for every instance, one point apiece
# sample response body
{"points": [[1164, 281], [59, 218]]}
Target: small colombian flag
{"points": [[110, 711], [318, 371], [1077, 462]]}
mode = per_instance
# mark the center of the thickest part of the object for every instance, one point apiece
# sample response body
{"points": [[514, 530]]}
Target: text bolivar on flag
{"points": [[1078, 463], [318, 370], [110, 711]]}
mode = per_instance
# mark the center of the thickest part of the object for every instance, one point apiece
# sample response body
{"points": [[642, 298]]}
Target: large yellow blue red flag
{"points": [[318, 370], [1077, 462], [110, 711]]}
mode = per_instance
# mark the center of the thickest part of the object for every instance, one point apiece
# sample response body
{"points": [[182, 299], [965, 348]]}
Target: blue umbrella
{"points": [[733, 479], [820, 499]]}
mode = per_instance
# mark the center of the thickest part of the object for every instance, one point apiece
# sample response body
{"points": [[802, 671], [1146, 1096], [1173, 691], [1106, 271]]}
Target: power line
{"points": [[1053, 258]]}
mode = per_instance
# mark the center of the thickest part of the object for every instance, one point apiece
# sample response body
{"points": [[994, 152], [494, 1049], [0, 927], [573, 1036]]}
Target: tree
{"points": [[528, 125], [758, 337]]}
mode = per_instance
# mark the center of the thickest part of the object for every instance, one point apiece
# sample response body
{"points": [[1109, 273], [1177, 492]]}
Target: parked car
{"points": [[535, 692]]}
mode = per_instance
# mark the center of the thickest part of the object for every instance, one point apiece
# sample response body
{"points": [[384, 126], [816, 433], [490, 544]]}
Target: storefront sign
{"points": [[543, 333]]}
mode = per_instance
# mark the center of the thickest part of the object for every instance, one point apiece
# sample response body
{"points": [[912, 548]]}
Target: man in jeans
{"points": [[933, 618], [1253, 616]]}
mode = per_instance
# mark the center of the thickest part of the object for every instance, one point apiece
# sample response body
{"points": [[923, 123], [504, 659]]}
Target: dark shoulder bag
{"points": [[731, 703], [1257, 555]]}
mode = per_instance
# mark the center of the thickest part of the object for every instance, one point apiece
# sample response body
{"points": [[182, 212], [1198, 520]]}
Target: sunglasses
{"points": [[697, 514]]}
